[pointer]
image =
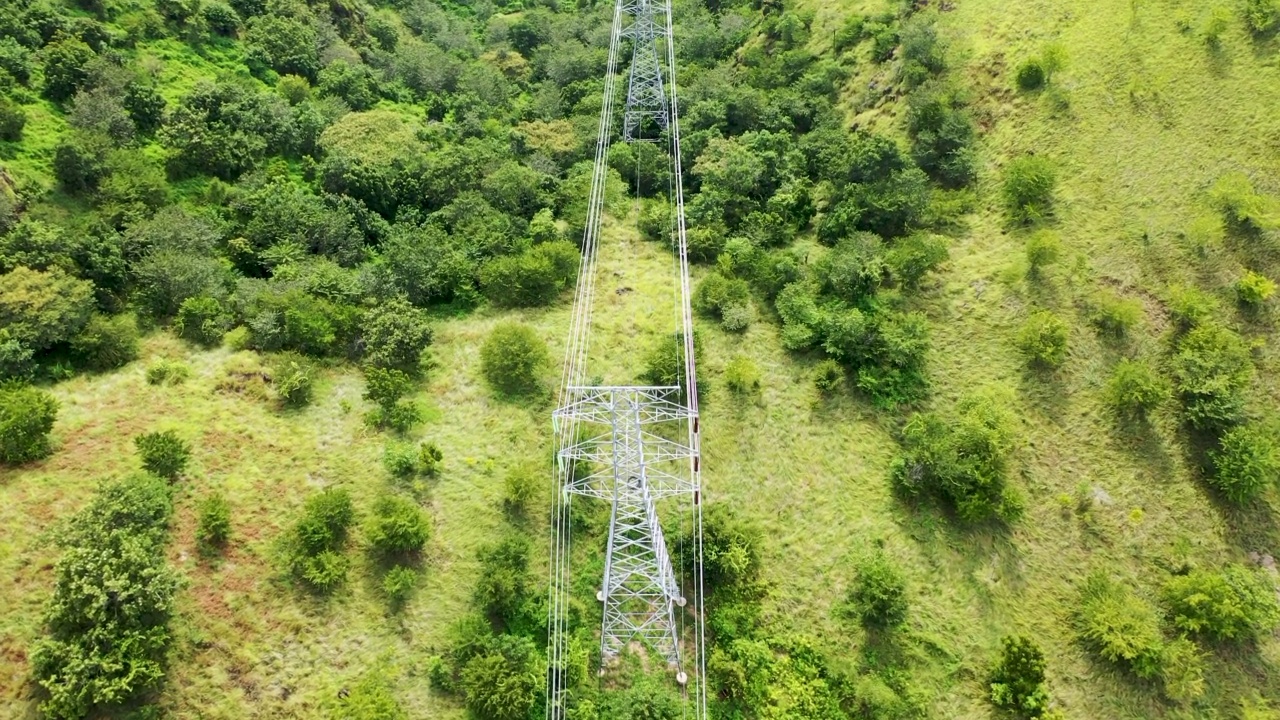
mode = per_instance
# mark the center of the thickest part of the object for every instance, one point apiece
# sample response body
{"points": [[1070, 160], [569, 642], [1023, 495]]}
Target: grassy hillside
{"points": [[1140, 122]]}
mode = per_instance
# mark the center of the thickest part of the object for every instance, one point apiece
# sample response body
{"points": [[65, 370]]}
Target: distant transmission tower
{"points": [[646, 98], [631, 445]]}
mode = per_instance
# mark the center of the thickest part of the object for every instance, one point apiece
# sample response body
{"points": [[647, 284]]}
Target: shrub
{"points": [[1031, 75], [1190, 306], [521, 486], [26, 417], [385, 387], [1029, 183], [213, 527], [1043, 339], [513, 359], [1135, 389], [878, 596], [1043, 248], [1243, 208], [163, 453], [167, 372], [723, 297], [326, 516], [113, 595], [530, 279], [827, 376], [1120, 626], [1262, 16], [400, 460], [293, 378], [963, 458], [1211, 370], [1254, 289], [664, 364], [398, 584], [1017, 681], [503, 681], [201, 320], [1246, 462], [1233, 603], [915, 256], [1114, 315], [397, 527], [318, 537], [107, 343], [395, 333], [371, 698], [429, 459], [504, 578], [742, 376], [325, 571], [12, 119]]}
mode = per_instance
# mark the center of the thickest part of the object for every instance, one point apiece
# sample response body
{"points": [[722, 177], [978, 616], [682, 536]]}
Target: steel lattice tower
{"points": [[631, 446], [646, 97]]}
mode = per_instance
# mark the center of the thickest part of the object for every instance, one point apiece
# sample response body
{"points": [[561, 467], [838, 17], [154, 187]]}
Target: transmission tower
{"points": [[646, 97], [632, 446]]}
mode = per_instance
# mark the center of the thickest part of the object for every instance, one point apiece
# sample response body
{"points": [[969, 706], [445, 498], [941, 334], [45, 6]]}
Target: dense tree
{"points": [[395, 334], [41, 309], [225, 128], [66, 64], [284, 44]]}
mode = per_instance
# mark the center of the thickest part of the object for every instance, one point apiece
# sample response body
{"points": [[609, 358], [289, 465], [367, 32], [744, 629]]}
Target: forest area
{"points": [[985, 301]]}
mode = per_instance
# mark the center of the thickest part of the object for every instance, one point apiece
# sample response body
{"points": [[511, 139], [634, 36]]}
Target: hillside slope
{"points": [[1140, 122]]}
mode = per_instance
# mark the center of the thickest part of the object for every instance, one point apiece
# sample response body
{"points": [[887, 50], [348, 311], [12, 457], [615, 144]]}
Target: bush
{"points": [[1211, 370], [26, 417], [1029, 183], [395, 334], [201, 320], [1217, 22], [213, 527], [1120, 626], [531, 279], [1262, 16], [1233, 603], [167, 372], [371, 698], [1031, 75], [1243, 208], [1190, 306], [963, 458], [513, 359], [742, 376], [1254, 289], [1043, 248], [1135, 389], [878, 596], [827, 376], [397, 527], [1043, 339], [163, 454], [1114, 315], [503, 681], [318, 537], [504, 578], [1017, 681], [521, 486], [293, 378], [107, 620], [398, 584], [915, 256], [12, 119], [107, 343], [724, 298], [1246, 462]]}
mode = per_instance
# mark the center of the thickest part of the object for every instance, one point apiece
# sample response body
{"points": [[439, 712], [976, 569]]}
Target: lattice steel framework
{"points": [[646, 96], [631, 446]]}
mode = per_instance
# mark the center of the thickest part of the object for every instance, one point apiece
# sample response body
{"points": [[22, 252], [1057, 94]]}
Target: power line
{"points": [[631, 445]]}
